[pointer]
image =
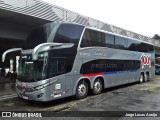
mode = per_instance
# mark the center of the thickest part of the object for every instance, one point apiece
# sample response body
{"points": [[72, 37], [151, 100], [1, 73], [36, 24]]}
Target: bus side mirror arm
{"points": [[47, 46], [9, 51]]}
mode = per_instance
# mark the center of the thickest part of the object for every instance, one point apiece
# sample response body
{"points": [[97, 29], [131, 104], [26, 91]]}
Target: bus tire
{"points": [[146, 77], [141, 78], [82, 89], [97, 86]]}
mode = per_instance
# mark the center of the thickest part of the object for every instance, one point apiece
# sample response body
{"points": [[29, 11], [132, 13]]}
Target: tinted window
{"points": [[134, 45], [109, 40], [120, 42], [93, 38], [68, 33], [68, 57], [157, 61], [32, 71], [39, 35], [56, 66], [103, 65], [36, 37], [143, 47]]}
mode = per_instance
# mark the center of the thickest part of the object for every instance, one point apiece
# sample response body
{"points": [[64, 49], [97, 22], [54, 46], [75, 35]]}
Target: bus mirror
{"points": [[42, 47], [64, 45], [9, 51], [46, 46]]}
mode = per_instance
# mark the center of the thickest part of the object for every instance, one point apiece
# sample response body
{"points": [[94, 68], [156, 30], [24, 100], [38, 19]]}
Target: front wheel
{"points": [[97, 87], [81, 90]]}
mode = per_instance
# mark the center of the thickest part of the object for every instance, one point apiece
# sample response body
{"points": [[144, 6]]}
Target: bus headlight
{"points": [[41, 86], [45, 85]]}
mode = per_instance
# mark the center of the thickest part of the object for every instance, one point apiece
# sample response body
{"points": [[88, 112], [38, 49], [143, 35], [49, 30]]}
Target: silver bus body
{"points": [[112, 65]]}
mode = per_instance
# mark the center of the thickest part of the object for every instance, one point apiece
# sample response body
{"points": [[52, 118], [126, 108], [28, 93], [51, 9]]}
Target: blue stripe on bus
{"points": [[118, 72], [107, 73]]}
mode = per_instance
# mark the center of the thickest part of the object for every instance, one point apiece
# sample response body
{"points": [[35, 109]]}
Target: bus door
{"points": [[56, 73]]}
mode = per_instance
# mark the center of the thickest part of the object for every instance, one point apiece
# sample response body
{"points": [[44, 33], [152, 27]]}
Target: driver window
{"points": [[56, 67]]}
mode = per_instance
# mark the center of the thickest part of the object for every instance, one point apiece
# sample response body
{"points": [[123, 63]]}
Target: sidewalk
{"points": [[7, 89]]}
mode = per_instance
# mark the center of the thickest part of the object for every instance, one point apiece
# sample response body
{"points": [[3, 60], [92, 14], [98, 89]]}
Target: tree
{"points": [[156, 36]]}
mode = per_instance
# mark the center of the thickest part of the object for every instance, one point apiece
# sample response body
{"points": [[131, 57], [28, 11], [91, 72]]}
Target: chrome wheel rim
{"points": [[82, 90], [146, 77], [97, 86]]}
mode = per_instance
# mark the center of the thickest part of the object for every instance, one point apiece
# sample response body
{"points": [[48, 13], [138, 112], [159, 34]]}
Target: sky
{"points": [[140, 16]]}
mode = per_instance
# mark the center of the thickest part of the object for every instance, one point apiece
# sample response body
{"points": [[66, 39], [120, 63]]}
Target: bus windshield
{"points": [[40, 35], [52, 32], [32, 71]]}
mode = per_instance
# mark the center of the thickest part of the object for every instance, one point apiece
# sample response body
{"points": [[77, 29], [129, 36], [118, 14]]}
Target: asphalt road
{"points": [[131, 97]]}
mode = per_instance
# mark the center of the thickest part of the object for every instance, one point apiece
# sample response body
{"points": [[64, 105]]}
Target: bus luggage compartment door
{"points": [[69, 85], [57, 89]]}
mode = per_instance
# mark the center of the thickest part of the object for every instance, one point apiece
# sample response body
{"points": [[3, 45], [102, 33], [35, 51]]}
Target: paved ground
{"points": [[133, 97], [7, 90]]}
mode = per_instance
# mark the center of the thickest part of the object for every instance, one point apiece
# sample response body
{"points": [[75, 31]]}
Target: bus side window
{"points": [[110, 40], [56, 66], [120, 43], [92, 38]]}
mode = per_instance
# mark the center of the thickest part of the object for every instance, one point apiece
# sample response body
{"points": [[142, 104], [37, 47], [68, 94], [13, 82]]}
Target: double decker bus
{"points": [[64, 59]]}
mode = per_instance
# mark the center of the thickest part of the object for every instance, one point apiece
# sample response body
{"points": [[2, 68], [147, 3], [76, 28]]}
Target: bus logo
{"points": [[145, 60], [24, 85]]}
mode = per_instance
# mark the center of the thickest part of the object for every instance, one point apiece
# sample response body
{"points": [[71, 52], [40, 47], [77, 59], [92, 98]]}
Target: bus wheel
{"points": [[81, 90], [146, 77], [141, 78], [97, 87]]}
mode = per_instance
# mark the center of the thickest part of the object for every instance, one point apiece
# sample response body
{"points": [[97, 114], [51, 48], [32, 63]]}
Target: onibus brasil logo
{"points": [[145, 60]]}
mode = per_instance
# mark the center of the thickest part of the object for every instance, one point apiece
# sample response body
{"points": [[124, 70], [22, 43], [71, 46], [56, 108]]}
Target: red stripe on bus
{"points": [[93, 74]]}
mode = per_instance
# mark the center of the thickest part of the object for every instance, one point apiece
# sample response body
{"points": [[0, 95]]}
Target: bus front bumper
{"points": [[37, 95]]}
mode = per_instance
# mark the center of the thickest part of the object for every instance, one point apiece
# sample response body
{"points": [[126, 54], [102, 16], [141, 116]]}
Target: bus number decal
{"points": [[145, 60]]}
